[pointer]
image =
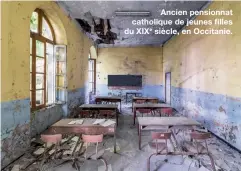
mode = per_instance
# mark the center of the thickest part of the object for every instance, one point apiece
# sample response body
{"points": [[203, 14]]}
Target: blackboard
{"points": [[125, 80]]}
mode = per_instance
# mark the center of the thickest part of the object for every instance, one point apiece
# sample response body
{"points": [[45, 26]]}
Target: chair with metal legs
{"points": [[164, 112], [159, 146], [196, 145], [53, 139], [140, 101], [108, 114], [85, 114], [153, 101], [144, 111], [87, 139]]}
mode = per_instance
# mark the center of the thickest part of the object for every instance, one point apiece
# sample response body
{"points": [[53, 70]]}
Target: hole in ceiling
{"points": [[102, 29]]}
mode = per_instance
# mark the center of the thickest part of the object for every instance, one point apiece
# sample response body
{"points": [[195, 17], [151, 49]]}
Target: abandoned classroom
{"points": [[115, 86]]}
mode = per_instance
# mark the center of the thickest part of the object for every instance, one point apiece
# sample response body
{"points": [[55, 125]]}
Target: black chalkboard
{"points": [[125, 80]]}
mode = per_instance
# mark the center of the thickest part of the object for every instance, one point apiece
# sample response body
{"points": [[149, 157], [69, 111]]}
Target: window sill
{"points": [[60, 103], [49, 107]]}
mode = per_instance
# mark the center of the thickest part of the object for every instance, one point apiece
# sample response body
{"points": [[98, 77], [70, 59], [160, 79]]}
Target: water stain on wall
{"points": [[221, 109], [15, 145]]}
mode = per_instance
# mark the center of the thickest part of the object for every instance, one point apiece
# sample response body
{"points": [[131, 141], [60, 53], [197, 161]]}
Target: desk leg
{"points": [[132, 105], [134, 116], [177, 146], [115, 141], [117, 116], [120, 106], [139, 131]]}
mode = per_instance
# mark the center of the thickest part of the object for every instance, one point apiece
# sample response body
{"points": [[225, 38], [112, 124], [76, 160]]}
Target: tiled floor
{"points": [[130, 158]]}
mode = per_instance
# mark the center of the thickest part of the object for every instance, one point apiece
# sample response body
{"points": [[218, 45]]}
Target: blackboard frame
{"points": [[136, 84]]}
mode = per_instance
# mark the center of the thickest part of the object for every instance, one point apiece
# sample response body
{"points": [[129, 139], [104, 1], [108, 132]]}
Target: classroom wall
{"points": [[145, 61], [17, 123], [206, 76]]}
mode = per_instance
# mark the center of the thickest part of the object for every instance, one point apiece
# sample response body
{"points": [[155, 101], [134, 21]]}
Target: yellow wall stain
{"points": [[209, 63], [15, 34], [146, 61]]}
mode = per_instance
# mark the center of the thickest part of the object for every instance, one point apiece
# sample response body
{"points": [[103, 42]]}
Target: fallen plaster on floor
{"points": [[130, 158]]}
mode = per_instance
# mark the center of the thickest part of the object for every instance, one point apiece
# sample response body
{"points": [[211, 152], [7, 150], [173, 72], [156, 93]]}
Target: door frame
{"points": [[166, 86]]}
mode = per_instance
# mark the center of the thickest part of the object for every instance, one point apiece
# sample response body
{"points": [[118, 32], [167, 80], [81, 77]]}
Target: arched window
{"points": [[42, 63]]}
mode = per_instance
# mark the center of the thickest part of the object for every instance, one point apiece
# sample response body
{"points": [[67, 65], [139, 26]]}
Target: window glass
{"points": [[39, 81], [34, 22], [50, 73], [46, 31], [30, 82], [40, 65], [60, 54], [60, 81], [30, 63], [39, 48], [61, 68], [31, 46], [39, 97]]}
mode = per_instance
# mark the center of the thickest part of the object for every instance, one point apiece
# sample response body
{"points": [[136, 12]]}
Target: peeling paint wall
{"points": [[78, 75], [145, 61], [17, 122], [206, 75]]}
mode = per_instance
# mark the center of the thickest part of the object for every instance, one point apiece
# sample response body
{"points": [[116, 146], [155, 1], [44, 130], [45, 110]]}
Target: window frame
{"points": [[38, 36], [93, 82]]}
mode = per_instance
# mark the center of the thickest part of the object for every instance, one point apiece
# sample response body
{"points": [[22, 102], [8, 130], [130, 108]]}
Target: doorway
{"points": [[168, 87]]}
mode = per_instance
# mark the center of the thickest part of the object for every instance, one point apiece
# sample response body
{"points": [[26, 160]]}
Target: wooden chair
{"points": [[98, 101], [164, 111], [153, 101], [106, 114], [53, 139], [197, 137], [140, 101], [114, 101], [144, 111], [158, 146], [197, 145], [86, 114], [87, 139]]}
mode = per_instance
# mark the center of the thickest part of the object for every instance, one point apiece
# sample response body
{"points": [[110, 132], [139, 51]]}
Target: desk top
{"points": [[88, 122], [145, 98], [99, 106], [167, 121], [108, 97], [151, 105]]}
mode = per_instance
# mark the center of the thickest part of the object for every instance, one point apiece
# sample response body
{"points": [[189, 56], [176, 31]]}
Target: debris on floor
{"points": [[16, 168], [102, 168], [128, 156]]}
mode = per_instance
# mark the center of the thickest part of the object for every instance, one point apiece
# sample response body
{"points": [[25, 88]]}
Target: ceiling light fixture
{"points": [[132, 13]]}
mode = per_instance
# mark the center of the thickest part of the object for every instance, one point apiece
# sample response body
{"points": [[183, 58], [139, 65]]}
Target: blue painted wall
{"points": [[15, 129], [42, 119], [75, 98], [18, 125], [220, 114]]}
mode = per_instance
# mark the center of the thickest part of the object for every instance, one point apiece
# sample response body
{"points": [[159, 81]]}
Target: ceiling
{"points": [[89, 10]]}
